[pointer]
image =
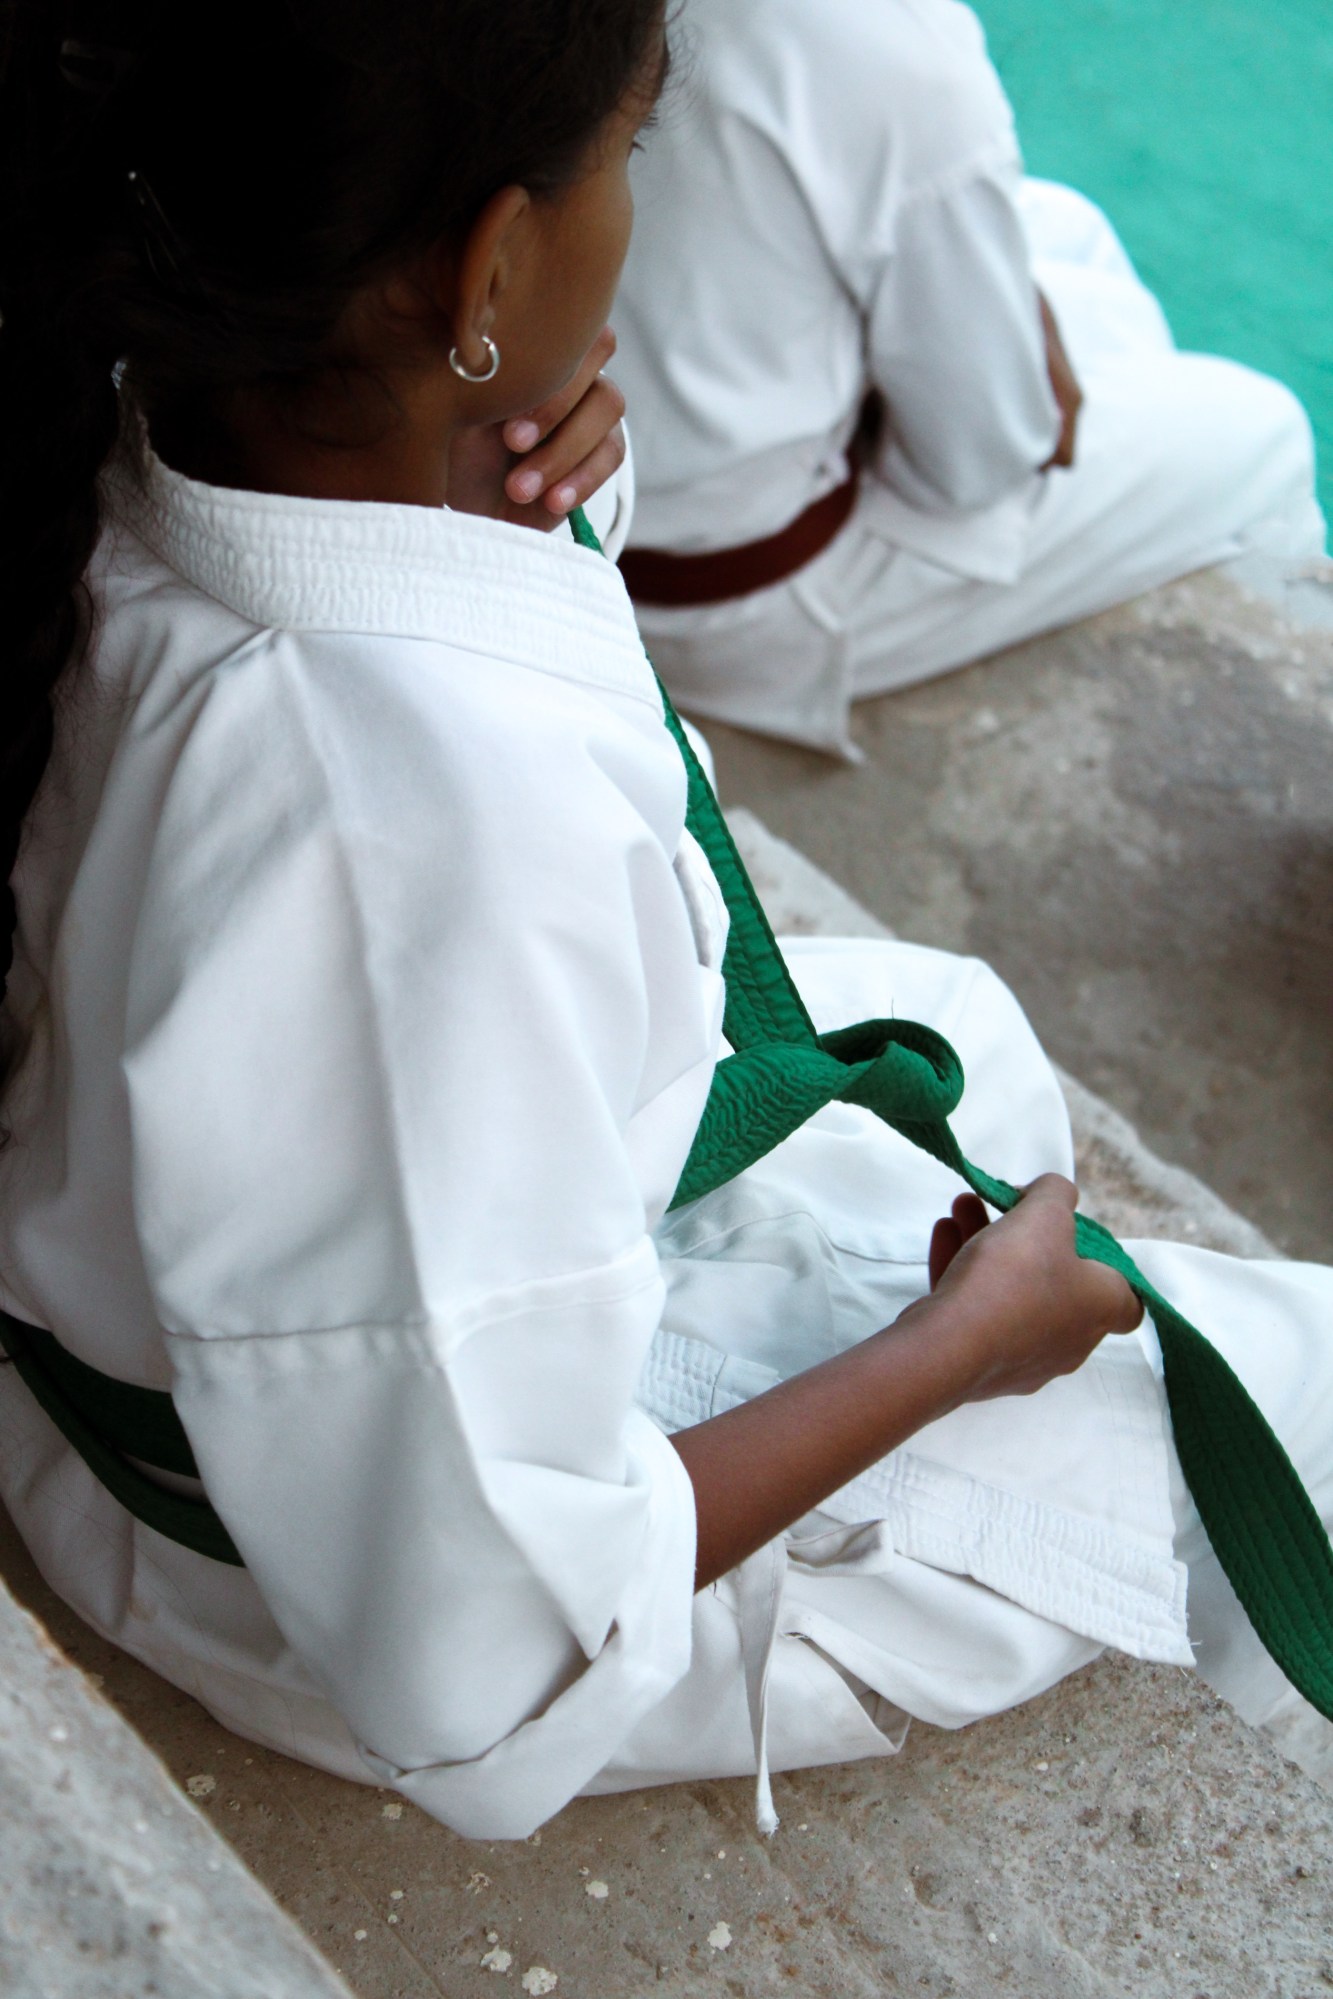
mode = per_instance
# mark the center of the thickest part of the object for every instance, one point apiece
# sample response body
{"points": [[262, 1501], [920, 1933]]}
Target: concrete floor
{"points": [[1133, 821], [1124, 1834]]}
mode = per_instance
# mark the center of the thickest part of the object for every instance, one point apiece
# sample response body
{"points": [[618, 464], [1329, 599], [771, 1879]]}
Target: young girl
{"points": [[367, 996]]}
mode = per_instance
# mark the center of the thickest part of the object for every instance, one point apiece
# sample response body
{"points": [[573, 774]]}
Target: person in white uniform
{"points": [[367, 996], [833, 207]]}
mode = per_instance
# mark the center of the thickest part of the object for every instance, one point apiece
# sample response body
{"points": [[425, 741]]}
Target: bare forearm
{"points": [[1012, 1305], [760, 1467]]}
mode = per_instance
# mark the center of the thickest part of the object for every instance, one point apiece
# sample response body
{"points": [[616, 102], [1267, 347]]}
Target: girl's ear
{"points": [[495, 248]]}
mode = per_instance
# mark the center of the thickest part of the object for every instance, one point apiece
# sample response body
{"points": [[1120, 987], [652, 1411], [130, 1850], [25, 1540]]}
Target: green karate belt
{"points": [[1257, 1514], [116, 1428]]}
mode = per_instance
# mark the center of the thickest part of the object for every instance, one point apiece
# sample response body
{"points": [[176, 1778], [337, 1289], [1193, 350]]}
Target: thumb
{"points": [[1052, 1189]]}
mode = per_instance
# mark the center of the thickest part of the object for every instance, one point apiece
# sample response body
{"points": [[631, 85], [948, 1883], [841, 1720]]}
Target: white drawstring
{"points": [[863, 1549], [759, 1602]]}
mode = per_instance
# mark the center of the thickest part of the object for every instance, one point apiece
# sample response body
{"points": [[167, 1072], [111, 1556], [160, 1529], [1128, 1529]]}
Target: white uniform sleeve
{"points": [[914, 175], [957, 350], [412, 982]]}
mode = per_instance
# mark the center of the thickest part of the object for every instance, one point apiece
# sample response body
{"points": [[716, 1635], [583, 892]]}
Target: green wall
{"points": [[1205, 129]]}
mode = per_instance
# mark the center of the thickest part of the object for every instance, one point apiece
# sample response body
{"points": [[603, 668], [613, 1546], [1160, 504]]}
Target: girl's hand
{"points": [[567, 448], [1013, 1305], [1021, 1304]]}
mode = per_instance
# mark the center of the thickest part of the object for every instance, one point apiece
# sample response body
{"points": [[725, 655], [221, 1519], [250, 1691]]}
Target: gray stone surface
{"points": [[112, 1885], [1124, 1834], [1127, 1186], [799, 899], [1137, 1194]]}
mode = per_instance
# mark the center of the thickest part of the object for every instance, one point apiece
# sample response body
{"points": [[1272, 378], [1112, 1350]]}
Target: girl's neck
{"points": [[384, 456]]}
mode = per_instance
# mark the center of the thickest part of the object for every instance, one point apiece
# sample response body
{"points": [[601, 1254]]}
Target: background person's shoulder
{"points": [[917, 70]]}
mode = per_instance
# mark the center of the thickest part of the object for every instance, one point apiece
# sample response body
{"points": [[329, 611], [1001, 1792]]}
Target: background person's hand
{"points": [[1064, 384], [1026, 1305]]}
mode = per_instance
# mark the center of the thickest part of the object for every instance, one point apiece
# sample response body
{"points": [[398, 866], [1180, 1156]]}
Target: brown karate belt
{"points": [[677, 582]]}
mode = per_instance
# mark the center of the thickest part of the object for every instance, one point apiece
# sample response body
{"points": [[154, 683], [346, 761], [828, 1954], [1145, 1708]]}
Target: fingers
{"points": [[949, 1234], [969, 1212], [1062, 458], [946, 1239], [1053, 1188], [588, 475], [1118, 1309], [1064, 385], [583, 451], [571, 444], [1126, 1306], [524, 432], [1123, 1310]]}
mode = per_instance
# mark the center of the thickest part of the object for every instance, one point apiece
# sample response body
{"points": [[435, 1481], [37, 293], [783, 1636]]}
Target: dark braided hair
{"points": [[193, 193]]}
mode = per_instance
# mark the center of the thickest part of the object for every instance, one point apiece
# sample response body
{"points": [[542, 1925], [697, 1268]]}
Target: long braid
{"points": [[58, 412], [58, 423]]}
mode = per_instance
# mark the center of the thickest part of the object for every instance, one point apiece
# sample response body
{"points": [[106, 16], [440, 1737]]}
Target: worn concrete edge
{"points": [[113, 1883], [1302, 598], [1202, 1216]]}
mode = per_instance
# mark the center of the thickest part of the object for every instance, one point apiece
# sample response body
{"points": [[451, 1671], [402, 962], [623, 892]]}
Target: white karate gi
{"points": [[835, 201], [370, 994]]}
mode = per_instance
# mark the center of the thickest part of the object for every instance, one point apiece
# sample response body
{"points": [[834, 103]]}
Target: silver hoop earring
{"points": [[486, 374]]}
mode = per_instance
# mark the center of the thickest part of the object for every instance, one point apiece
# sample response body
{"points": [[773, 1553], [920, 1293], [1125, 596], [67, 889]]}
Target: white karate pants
{"points": [[1182, 461], [963, 1608]]}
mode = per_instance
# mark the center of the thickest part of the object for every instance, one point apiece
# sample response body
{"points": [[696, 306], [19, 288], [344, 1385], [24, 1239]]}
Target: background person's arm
{"points": [[1065, 384], [958, 349]]}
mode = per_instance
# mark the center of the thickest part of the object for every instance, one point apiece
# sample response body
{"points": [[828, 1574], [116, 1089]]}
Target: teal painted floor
{"points": [[1205, 129]]}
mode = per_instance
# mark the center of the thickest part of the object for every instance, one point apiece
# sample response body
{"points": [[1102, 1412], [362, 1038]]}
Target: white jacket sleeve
{"points": [[956, 348], [915, 184], [417, 1039]]}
